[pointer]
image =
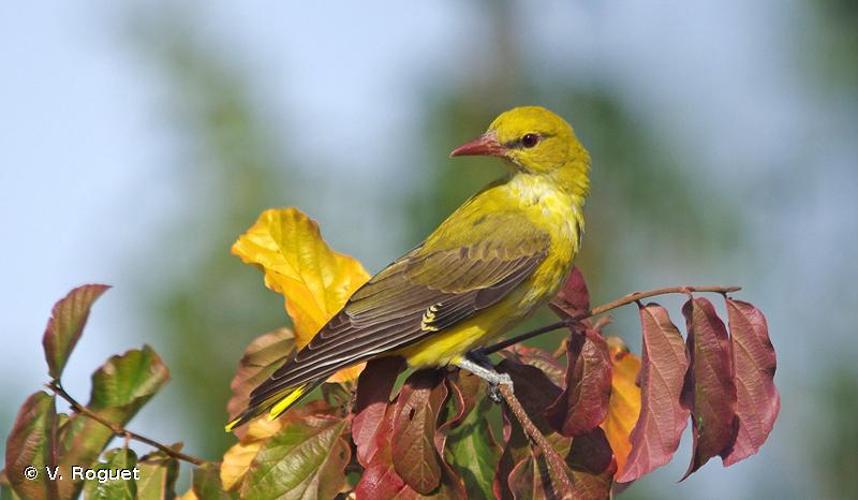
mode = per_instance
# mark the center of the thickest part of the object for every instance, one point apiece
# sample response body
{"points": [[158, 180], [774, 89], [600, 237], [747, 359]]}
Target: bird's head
{"points": [[535, 141], [532, 137]]}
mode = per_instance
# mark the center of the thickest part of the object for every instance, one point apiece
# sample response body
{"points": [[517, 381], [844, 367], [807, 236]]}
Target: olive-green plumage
{"points": [[504, 252]]}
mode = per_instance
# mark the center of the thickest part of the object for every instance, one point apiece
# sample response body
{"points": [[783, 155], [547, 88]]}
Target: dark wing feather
{"points": [[418, 295]]}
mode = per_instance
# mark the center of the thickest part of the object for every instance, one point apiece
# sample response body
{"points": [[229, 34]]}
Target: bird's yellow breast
{"points": [[560, 216]]}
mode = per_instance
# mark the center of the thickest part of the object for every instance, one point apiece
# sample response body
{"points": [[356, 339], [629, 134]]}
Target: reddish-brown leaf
{"points": [[522, 471], [540, 358], [591, 453], [656, 434], [516, 448], [381, 480], [583, 404], [754, 362], [415, 421], [533, 389], [531, 479], [465, 388], [260, 360], [709, 390], [589, 467], [573, 299], [593, 465], [68, 318], [373, 396]]}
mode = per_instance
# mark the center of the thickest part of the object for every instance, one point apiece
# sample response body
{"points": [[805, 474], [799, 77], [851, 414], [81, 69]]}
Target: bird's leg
{"points": [[479, 364]]}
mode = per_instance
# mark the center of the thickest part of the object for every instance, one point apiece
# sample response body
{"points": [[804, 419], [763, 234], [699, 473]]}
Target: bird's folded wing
{"points": [[427, 290]]}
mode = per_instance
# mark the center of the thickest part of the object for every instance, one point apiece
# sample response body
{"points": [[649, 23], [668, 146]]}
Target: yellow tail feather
{"points": [[282, 403], [286, 402]]}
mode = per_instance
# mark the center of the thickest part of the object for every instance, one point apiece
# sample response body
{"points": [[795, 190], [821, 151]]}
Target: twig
{"points": [[622, 301], [555, 461], [117, 429]]}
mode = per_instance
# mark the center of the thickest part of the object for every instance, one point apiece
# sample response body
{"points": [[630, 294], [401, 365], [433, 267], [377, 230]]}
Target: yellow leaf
{"points": [[236, 462], [315, 280], [625, 403]]}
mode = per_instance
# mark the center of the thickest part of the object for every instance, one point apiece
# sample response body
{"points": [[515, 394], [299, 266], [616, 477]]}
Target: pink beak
{"points": [[484, 145]]}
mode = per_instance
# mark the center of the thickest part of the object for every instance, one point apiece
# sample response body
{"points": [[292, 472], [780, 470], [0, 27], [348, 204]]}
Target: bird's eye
{"points": [[529, 140]]}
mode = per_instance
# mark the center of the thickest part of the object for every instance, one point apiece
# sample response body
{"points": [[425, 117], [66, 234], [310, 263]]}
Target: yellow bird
{"points": [[498, 257]]}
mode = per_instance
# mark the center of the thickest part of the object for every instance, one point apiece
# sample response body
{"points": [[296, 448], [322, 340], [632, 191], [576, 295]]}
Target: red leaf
{"points": [[754, 362], [381, 479], [656, 434], [573, 299], [415, 420], [68, 318], [583, 404], [709, 391], [373, 396]]}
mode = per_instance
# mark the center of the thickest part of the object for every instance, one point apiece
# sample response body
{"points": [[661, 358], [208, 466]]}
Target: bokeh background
{"points": [[138, 139]]}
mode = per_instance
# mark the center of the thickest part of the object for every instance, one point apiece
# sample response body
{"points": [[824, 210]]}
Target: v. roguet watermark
{"points": [[79, 473]]}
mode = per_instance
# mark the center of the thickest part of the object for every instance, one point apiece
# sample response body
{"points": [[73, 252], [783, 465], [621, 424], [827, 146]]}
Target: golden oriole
{"points": [[500, 255]]}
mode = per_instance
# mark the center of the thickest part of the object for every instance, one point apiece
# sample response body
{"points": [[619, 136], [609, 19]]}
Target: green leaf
{"points": [[119, 389], [158, 472], [68, 318], [30, 448], [114, 478], [126, 382], [306, 459], [472, 450], [206, 483]]}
